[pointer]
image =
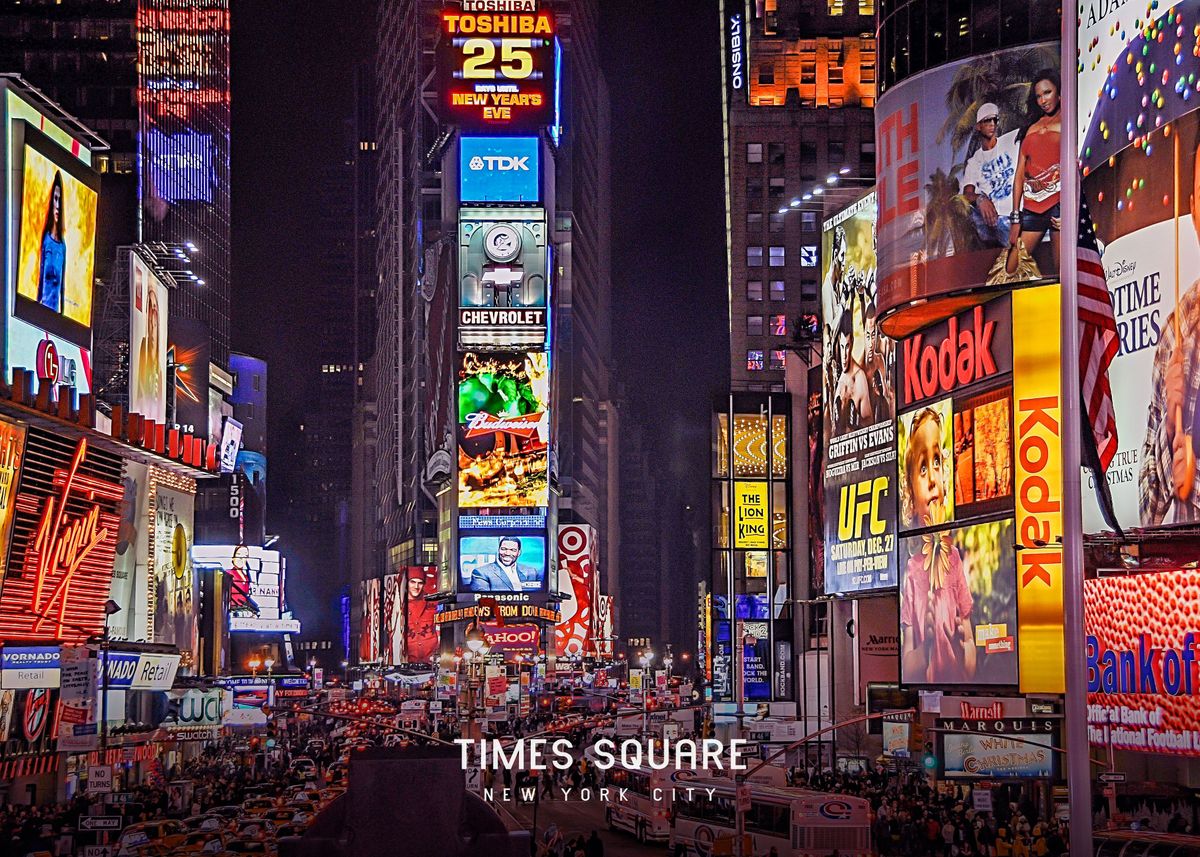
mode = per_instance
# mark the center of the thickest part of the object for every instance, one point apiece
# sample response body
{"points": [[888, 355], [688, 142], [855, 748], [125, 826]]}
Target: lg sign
{"points": [[499, 169]]}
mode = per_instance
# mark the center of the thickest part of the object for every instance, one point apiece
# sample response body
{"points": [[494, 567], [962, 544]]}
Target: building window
{"points": [[778, 359], [754, 188], [837, 7], [754, 290], [808, 161], [837, 155], [754, 256], [777, 221], [866, 159], [866, 71], [808, 256], [754, 153], [754, 220], [766, 73], [866, 7], [778, 189], [808, 72], [754, 325], [776, 154], [778, 257], [836, 74], [778, 290], [779, 325], [808, 221], [754, 360], [808, 289]]}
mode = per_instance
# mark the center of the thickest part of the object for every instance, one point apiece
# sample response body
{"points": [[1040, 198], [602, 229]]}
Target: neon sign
{"points": [[67, 561]]}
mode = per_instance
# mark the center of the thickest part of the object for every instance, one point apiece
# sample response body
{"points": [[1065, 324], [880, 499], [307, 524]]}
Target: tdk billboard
{"points": [[499, 169]]}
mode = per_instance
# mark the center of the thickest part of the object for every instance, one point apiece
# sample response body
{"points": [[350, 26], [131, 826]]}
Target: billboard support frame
{"points": [[1079, 779]]}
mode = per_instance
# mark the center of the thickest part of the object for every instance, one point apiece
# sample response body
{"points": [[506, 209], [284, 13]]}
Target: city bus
{"points": [[794, 821], [646, 810]]}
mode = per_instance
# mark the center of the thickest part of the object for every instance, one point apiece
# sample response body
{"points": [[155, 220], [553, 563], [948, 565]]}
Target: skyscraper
{"points": [[152, 78], [799, 88]]}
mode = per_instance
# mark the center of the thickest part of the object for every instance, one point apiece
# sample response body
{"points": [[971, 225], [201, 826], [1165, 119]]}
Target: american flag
{"points": [[1098, 341]]}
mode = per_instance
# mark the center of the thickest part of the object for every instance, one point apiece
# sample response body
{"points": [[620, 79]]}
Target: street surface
{"points": [[579, 818]]}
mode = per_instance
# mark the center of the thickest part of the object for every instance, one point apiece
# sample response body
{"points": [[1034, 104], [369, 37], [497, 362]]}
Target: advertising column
{"points": [[498, 84]]}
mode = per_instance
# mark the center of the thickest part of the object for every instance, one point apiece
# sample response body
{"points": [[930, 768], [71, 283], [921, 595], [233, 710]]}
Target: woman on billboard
{"points": [[149, 376], [1037, 184], [54, 250]]}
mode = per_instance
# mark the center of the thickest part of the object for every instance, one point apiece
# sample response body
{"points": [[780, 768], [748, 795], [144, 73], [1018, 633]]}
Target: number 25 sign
{"points": [[496, 70]]}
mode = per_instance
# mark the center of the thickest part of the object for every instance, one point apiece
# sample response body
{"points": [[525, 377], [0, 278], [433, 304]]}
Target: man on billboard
{"points": [[1168, 473], [505, 574], [988, 177], [422, 639]]}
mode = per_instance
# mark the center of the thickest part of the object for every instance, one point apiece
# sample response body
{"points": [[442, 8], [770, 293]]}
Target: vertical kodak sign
{"points": [[1037, 419]]}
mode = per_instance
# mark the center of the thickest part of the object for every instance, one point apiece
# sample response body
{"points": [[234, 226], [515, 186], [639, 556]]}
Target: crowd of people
{"points": [[220, 776], [914, 820]]}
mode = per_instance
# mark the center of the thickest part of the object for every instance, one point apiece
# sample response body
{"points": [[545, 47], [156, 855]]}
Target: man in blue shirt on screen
{"points": [[505, 574]]}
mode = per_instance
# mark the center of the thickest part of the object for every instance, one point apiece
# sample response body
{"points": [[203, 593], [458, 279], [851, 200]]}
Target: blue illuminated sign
{"points": [[181, 165], [499, 169]]}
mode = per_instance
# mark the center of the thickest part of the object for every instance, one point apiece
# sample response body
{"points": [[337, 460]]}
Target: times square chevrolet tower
{"points": [[512, 298]]}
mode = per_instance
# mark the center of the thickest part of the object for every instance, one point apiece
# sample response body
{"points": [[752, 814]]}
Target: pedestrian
{"points": [[594, 847]]}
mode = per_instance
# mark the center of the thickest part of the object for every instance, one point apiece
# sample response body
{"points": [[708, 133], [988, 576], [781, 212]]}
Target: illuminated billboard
{"points": [[393, 619], [148, 313], [51, 203], [1139, 136], [962, 148], [420, 635], [503, 286], [1038, 486], [176, 592], [257, 586], [578, 580], [69, 498], [368, 642], [57, 240], [188, 357], [499, 169], [1142, 676], [1007, 749], [503, 430], [12, 453], [504, 563], [497, 71], [859, 410], [958, 606]]}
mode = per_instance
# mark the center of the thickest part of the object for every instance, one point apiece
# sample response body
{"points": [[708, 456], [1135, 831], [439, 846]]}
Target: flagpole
{"points": [[1079, 775]]}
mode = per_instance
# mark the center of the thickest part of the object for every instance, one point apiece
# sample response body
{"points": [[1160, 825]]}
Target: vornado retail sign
{"points": [[24, 667]]}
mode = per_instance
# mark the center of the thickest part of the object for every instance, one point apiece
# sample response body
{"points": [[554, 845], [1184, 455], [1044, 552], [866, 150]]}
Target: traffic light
{"points": [[929, 761]]}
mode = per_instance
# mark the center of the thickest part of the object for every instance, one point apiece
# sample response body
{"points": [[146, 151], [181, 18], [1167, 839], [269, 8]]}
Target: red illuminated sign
{"points": [[68, 557], [497, 70], [47, 361], [512, 638]]}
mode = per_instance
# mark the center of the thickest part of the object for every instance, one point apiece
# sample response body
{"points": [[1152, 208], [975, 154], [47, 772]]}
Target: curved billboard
{"points": [[967, 163]]}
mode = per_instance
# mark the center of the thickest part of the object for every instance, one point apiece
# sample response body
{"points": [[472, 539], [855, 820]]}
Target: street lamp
{"points": [[269, 663], [345, 672], [255, 663], [646, 658]]}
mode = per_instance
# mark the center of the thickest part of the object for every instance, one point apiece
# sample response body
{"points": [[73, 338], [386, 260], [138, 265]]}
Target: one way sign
{"points": [[100, 822]]}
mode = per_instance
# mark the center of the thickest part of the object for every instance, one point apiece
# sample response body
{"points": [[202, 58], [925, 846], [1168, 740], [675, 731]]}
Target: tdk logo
{"points": [[499, 163]]}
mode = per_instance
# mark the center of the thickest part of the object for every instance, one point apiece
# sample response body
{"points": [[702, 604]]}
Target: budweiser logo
{"points": [[483, 423]]}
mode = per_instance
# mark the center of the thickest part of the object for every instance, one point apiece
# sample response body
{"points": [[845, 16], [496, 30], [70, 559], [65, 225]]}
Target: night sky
{"points": [[292, 65]]}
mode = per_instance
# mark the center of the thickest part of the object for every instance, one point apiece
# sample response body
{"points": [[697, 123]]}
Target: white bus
{"points": [[795, 822], [646, 809]]}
